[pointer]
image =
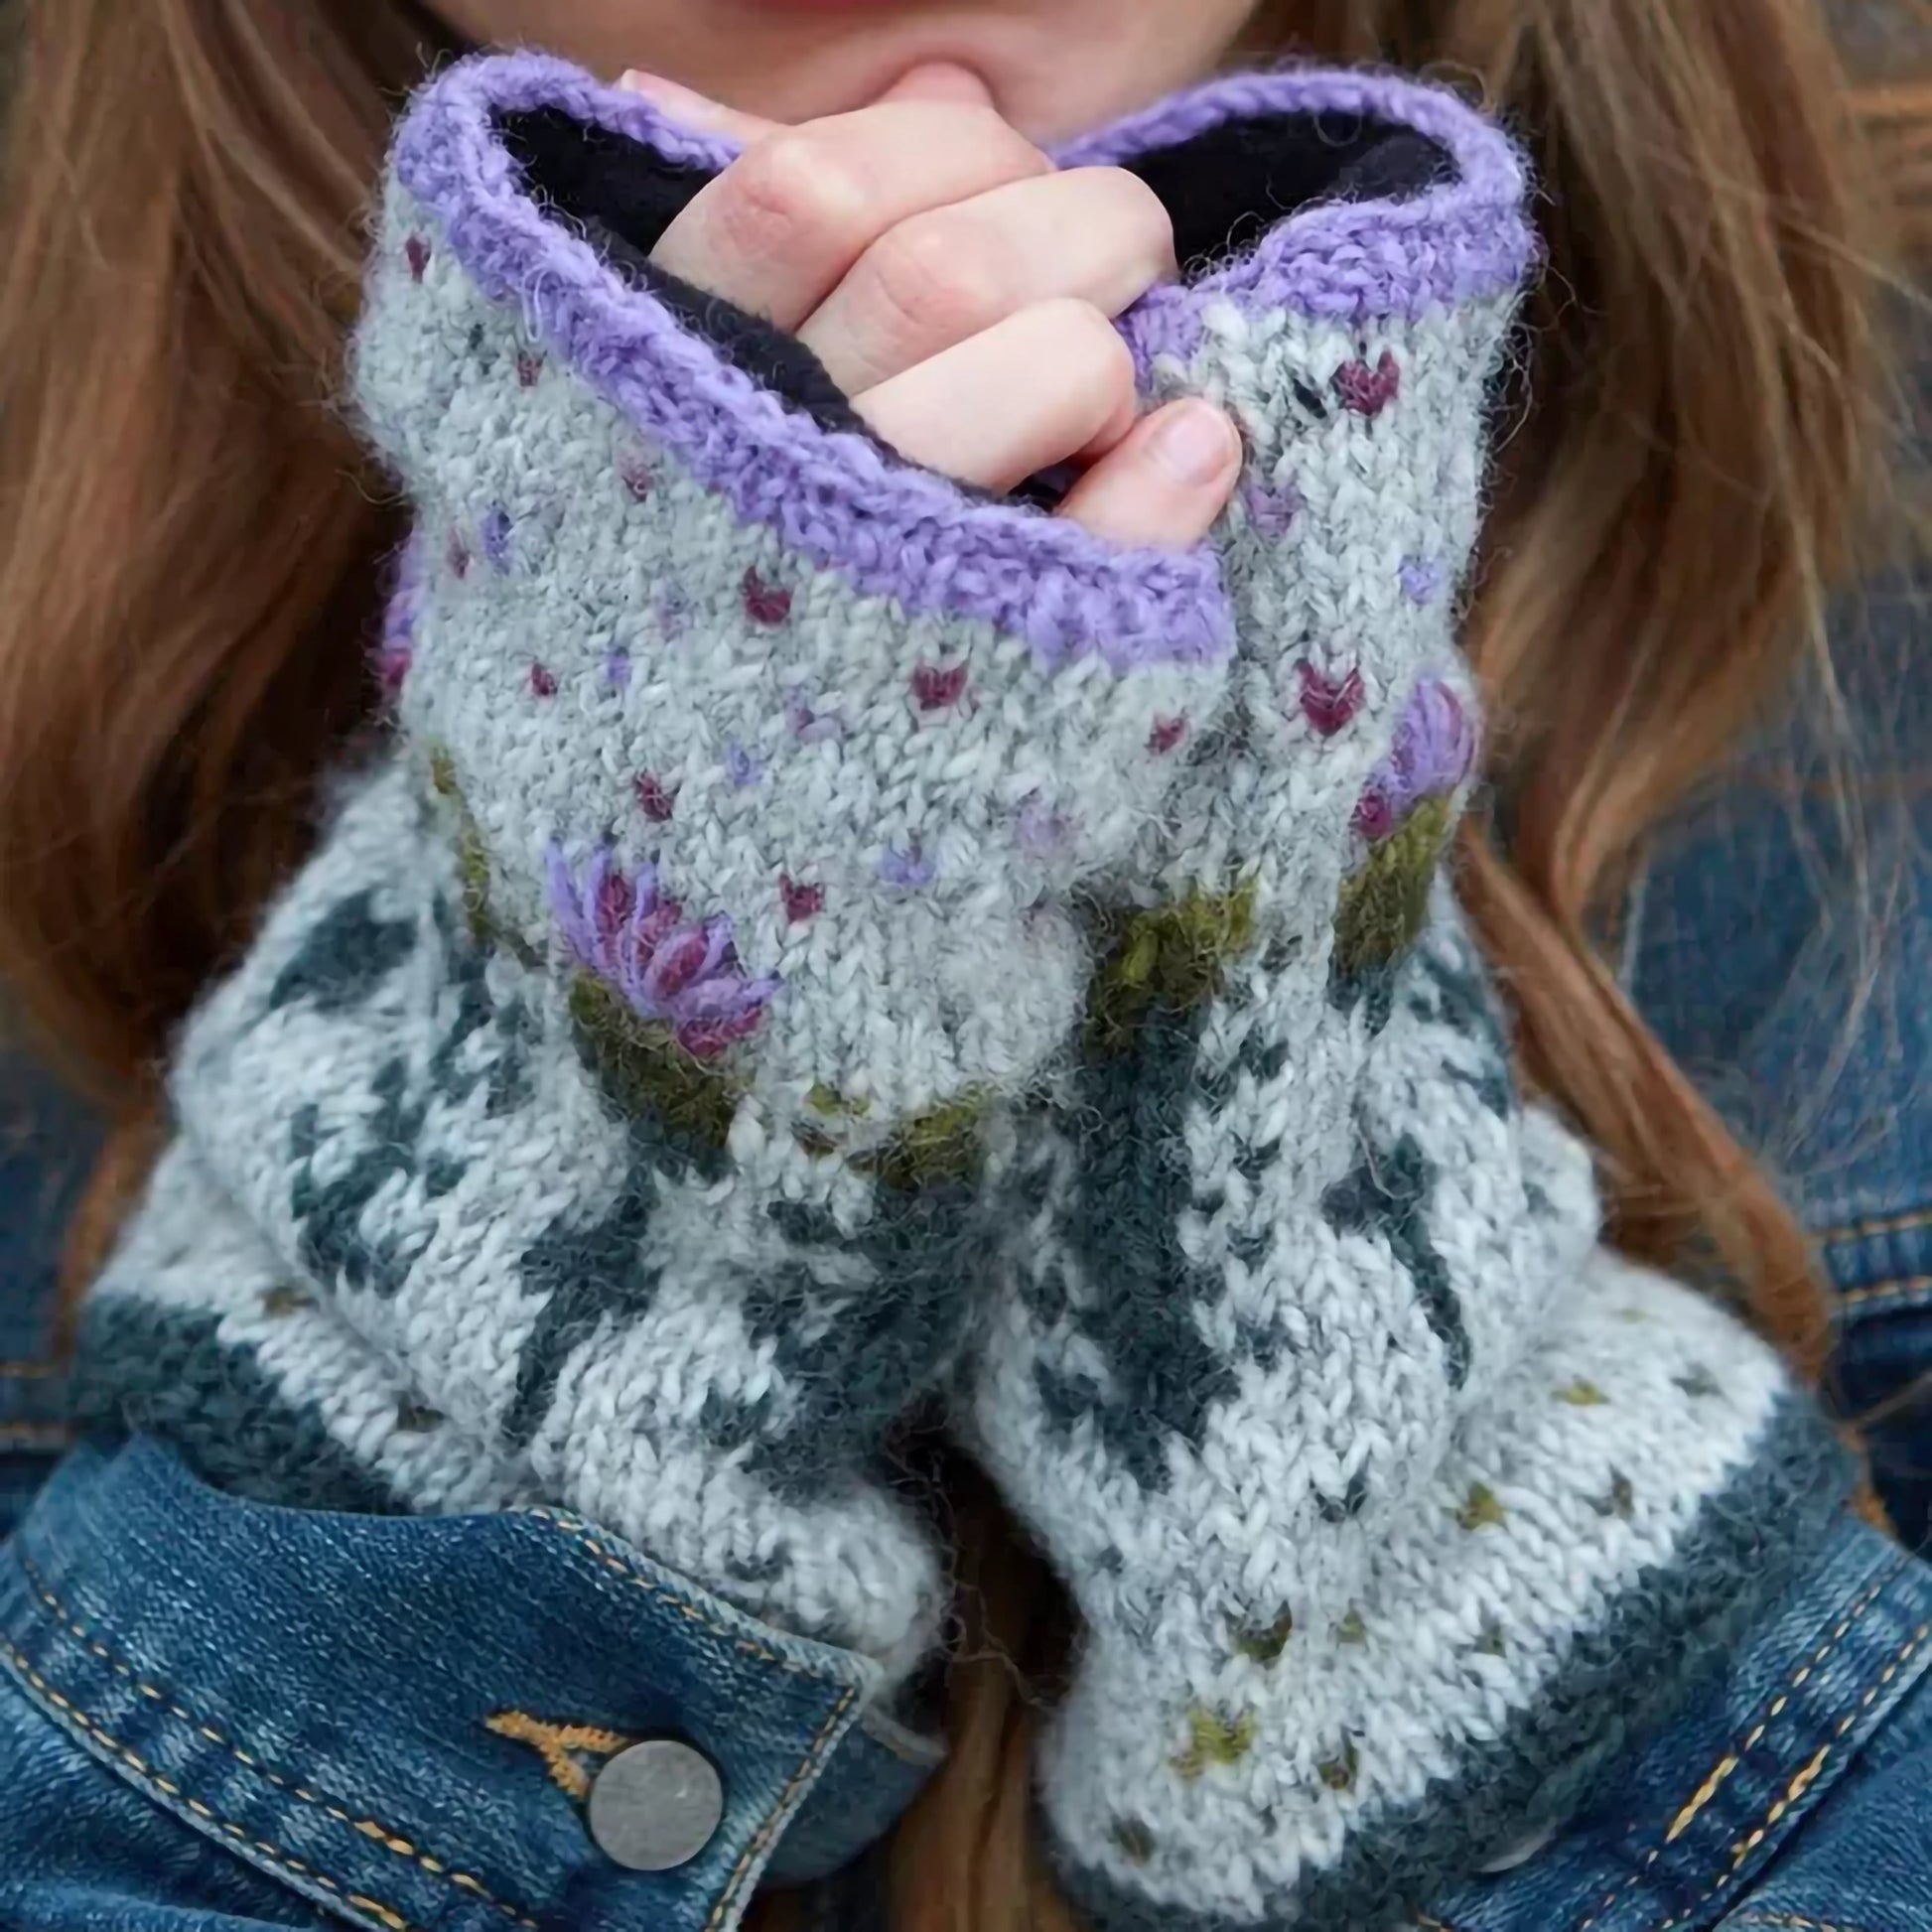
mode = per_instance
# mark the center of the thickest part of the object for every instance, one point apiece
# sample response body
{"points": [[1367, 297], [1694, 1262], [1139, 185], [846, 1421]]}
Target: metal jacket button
{"points": [[656, 1806]]}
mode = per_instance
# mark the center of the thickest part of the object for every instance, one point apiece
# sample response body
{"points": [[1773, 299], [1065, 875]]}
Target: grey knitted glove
{"points": [[601, 1116], [1391, 1501]]}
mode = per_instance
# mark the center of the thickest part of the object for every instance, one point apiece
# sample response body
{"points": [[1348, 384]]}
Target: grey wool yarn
{"points": [[1392, 1501], [815, 943]]}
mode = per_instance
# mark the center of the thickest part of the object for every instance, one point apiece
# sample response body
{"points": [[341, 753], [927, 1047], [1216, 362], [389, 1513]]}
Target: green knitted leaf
{"points": [[415, 1419], [1384, 907], [286, 1301], [1481, 1509], [1339, 1772], [1215, 1739], [472, 856], [1352, 1629], [1489, 1643], [828, 1100], [645, 1073], [1175, 956], [1580, 1393], [945, 1145], [1266, 1645]]}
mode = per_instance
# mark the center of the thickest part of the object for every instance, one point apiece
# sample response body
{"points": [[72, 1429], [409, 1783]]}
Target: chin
{"points": [[1054, 72]]}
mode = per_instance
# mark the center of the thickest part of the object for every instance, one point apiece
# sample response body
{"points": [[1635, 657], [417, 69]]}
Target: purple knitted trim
{"points": [[837, 499], [1347, 261]]}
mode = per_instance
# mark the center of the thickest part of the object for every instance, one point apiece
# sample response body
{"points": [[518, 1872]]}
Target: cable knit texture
{"points": [[815, 939]]}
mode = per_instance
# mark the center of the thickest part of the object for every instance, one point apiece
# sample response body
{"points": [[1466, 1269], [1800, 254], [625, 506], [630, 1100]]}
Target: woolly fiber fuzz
{"points": [[1393, 1504], [817, 942]]}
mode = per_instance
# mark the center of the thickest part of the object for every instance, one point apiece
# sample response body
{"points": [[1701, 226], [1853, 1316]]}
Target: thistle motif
{"points": [[1434, 752], [634, 937]]}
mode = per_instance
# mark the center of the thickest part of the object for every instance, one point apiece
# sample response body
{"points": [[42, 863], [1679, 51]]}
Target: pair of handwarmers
{"points": [[821, 946]]}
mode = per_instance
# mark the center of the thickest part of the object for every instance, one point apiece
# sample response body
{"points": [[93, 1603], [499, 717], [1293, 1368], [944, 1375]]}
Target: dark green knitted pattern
{"points": [[1672, 1629]]}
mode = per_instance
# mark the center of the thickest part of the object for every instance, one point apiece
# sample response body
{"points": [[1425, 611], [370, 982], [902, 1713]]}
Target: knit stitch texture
{"points": [[1393, 1504], [816, 942]]}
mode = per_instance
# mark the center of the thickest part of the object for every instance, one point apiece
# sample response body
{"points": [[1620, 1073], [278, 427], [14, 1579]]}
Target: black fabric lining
{"points": [[1227, 185], [1222, 188], [622, 195]]}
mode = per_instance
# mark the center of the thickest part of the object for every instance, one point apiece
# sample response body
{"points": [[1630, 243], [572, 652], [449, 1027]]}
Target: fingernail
{"points": [[1196, 444]]}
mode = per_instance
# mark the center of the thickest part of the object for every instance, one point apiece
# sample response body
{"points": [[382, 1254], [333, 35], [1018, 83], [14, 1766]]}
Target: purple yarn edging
{"points": [[833, 497], [1464, 241]]}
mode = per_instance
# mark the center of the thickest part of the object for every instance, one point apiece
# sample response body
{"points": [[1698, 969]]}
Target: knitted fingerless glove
{"points": [[601, 1117], [1391, 1500]]}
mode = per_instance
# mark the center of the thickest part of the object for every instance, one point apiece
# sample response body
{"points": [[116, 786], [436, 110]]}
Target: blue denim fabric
{"points": [[47, 1142], [284, 1716], [1795, 1792], [1781, 945], [220, 1715]]}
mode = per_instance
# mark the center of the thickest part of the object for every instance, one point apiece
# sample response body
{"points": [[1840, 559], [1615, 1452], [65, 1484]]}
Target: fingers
{"points": [[1164, 484], [959, 288], [1096, 233], [694, 111], [780, 228], [1052, 382]]}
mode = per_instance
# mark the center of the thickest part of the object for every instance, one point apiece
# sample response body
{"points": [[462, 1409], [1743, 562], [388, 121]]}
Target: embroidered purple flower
{"points": [[1421, 579], [909, 870], [529, 366], [1369, 391], [636, 940], [766, 604], [741, 767], [616, 669], [1272, 508], [392, 663], [811, 726], [543, 681], [1327, 706], [496, 528], [396, 650], [417, 251], [1165, 733], [1435, 751]]}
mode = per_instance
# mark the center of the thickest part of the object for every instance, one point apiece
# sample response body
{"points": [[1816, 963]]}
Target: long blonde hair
{"points": [[187, 567]]}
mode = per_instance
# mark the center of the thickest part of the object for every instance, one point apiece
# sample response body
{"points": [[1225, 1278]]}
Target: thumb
{"points": [[942, 80]]}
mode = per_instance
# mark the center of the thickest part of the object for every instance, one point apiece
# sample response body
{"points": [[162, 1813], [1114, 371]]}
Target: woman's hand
{"points": [[960, 289]]}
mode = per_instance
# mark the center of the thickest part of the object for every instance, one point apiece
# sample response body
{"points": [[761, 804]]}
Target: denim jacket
{"points": [[217, 1713]]}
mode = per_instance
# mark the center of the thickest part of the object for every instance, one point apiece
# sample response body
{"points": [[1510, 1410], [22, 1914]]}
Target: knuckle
{"points": [[987, 130], [935, 277], [790, 187]]}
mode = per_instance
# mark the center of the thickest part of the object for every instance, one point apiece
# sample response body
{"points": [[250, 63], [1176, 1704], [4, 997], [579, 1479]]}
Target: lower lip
{"points": [[824, 6]]}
